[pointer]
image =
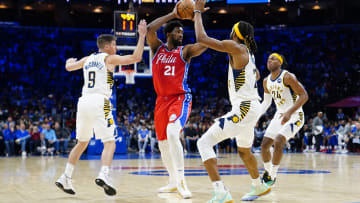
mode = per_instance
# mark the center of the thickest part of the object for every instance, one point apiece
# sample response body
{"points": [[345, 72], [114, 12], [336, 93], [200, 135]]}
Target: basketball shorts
{"points": [[289, 129], [170, 109], [239, 123], [94, 117]]}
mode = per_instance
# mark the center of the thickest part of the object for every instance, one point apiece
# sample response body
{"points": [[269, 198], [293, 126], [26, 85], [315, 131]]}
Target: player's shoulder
{"points": [[288, 74]]}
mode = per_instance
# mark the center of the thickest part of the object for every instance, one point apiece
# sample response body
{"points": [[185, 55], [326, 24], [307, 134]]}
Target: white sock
{"points": [[274, 170], [218, 185], [105, 170], [166, 159], [267, 166], [256, 182], [69, 169], [176, 149]]}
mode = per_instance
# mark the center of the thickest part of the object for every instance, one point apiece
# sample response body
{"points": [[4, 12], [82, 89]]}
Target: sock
{"points": [[69, 169], [274, 170], [267, 166], [105, 170], [256, 182], [175, 148], [218, 186], [166, 159]]}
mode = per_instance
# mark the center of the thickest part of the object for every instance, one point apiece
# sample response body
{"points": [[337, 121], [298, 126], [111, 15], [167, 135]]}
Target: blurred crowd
{"points": [[38, 97]]}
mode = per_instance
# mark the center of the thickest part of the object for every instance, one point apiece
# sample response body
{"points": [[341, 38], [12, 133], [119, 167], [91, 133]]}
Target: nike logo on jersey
{"points": [[163, 58]]}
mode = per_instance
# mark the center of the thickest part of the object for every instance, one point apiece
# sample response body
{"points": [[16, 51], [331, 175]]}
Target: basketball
{"points": [[185, 9]]}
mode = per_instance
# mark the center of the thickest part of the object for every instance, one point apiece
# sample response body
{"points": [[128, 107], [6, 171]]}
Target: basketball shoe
{"points": [[171, 187], [65, 184], [221, 197], [266, 178], [103, 181], [256, 192], [183, 190]]}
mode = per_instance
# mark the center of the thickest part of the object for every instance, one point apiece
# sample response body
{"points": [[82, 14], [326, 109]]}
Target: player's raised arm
{"points": [[73, 64], [138, 52], [193, 50], [228, 46], [152, 39]]}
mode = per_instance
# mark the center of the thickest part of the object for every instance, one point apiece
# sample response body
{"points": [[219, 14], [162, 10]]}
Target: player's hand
{"points": [[174, 11], [142, 29], [200, 5], [286, 117], [71, 60]]}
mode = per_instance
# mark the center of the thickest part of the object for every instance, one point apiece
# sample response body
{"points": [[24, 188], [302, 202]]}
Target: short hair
{"points": [[169, 27], [104, 39]]}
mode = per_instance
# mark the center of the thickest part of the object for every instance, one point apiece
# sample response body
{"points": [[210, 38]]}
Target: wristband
{"points": [[197, 11]]}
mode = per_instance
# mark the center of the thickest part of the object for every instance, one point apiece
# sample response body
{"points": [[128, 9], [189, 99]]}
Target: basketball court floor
{"points": [[302, 178]]}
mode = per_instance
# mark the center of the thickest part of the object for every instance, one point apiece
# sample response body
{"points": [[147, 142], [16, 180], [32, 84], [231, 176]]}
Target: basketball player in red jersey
{"points": [[170, 66]]}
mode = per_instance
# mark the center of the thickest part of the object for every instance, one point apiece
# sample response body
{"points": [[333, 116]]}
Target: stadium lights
{"points": [[98, 10], [316, 7], [27, 7], [222, 11], [282, 9], [3, 6]]}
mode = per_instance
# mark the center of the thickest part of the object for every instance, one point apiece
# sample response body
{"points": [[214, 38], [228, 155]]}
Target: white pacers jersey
{"points": [[283, 96], [284, 99], [242, 83], [97, 78]]}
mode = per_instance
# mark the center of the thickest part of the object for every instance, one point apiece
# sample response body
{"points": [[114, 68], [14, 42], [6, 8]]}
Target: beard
{"points": [[176, 43]]}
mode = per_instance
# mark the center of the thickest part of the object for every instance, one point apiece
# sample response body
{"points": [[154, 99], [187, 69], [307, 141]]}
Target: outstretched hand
{"points": [[71, 60], [174, 11], [200, 6], [142, 29]]}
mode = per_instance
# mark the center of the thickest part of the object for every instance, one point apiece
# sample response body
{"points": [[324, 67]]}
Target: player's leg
{"points": [[104, 129], [248, 116], [280, 140], [211, 137], [178, 114], [266, 144], [84, 131], [161, 119]]}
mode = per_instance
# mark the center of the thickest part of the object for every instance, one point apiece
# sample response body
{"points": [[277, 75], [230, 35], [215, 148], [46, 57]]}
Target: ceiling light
{"points": [[282, 9]]}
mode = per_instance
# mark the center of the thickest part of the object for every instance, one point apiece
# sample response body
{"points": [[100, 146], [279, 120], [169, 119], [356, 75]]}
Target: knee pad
{"points": [[173, 130], [205, 147]]}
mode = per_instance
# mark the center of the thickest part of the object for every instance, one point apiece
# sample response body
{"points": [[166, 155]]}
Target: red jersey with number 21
{"points": [[170, 72]]}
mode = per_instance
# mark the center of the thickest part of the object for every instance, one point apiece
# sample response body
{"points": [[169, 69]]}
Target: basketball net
{"points": [[129, 77]]}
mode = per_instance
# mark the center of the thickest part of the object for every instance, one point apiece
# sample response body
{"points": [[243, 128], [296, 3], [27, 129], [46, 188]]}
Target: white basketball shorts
{"points": [[289, 129], [94, 117]]}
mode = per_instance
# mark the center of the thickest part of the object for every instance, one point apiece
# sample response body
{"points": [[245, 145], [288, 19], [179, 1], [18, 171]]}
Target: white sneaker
{"points": [[183, 190], [23, 153], [103, 181], [171, 187], [65, 184]]}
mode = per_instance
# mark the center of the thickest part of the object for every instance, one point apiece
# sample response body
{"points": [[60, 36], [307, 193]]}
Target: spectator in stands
{"points": [[191, 136], [62, 137], [9, 136], [43, 146], [340, 115], [22, 137], [143, 136], [317, 127], [2, 143], [50, 136], [35, 137], [153, 139]]}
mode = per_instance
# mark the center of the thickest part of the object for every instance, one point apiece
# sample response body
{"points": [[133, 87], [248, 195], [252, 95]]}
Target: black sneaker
{"points": [[266, 178]]}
